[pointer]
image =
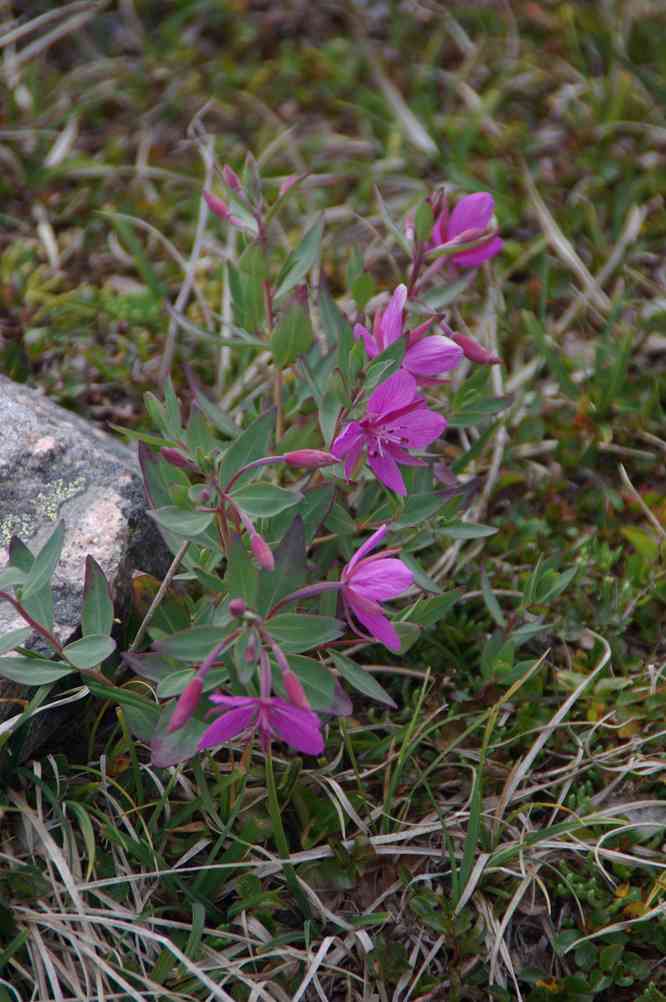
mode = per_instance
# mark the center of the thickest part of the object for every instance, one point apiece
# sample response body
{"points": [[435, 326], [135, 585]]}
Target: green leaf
{"points": [[182, 522], [361, 680], [97, 615], [339, 335], [394, 230], [45, 562], [242, 575], [32, 671], [317, 681], [429, 611], [300, 260], [421, 579], [194, 644], [419, 507], [423, 221], [254, 443], [468, 530], [363, 289], [292, 336], [492, 605], [170, 749], [409, 633], [11, 576], [313, 509], [90, 651], [264, 500], [298, 631], [385, 365], [215, 414], [290, 568], [40, 606], [173, 684], [14, 639], [19, 555]]}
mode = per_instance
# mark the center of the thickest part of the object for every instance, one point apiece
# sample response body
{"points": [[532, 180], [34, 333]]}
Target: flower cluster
{"points": [[284, 607]]}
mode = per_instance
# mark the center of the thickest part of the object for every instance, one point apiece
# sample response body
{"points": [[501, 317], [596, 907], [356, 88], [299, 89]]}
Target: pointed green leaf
{"points": [[97, 615], [290, 568], [45, 562], [182, 522], [242, 575], [194, 644], [292, 336], [361, 680], [300, 260], [90, 651], [215, 414], [32, 671], [297, 631], [264, 500], [13, 639], [252, 444]]}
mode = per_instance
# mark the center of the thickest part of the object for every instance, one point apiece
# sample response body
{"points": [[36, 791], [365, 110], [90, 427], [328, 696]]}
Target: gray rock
{"points": [[54, 465]]}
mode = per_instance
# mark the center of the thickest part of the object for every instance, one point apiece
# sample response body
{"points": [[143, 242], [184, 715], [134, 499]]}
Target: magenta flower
{"points": [[271, 716], [397, 419], [468, 221], [367, 581], [425, 357]]}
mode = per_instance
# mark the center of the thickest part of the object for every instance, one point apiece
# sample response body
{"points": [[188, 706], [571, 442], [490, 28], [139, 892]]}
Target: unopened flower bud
{"points": [[251, 649], [410, 229], [231, 178], [262, 552], [295, 691], [217, 206], [288, 183], [186, 705], [311, 459], [237, 607], [474, 351], [176, 458]]}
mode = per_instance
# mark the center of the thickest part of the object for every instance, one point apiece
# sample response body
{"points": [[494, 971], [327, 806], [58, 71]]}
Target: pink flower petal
{"points": [[472, 211], [362, 333], [395, 392], [350, 435], [228, 726], [370, 544], [420, 427], [386, 469], [473, 258], [432, 356], [392, 318], [377, 625], [299, 728], [379, 580], [215, 697]]}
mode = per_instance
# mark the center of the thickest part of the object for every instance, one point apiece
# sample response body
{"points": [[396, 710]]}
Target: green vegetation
{"points": [[500, 834]]}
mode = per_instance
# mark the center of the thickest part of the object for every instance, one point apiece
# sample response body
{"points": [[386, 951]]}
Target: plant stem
{"points": [[281, 838], [168, 577]]}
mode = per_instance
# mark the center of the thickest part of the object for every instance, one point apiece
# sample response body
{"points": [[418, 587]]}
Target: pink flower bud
{"points": [[231, 179], [295, 690], [262, 552], [251, 650], [410, 230], [237, 607], [288, 183], [311, 459], [217, 206], [186, 705], [474, 351], [176, 458]]}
